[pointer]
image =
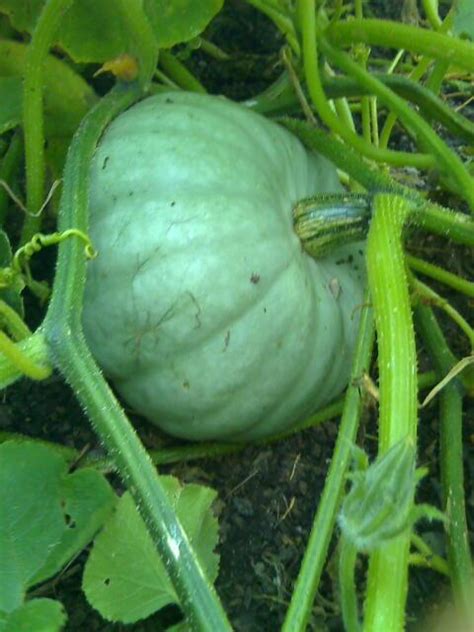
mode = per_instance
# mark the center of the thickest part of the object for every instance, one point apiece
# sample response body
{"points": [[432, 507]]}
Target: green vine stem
{"points": [[459, 227], [33, 124], [179, 74], [211, 49], [427, 295], [10, 165], [324, 110], [426, 557], [63, 332], [433, 562], [440, 274], [12, 322], [312, 566], [280, 97], [415, 75], [430, 104], [27, 357], [396, 35], [388, 567], [347, 585], [452, 475], [431, 12], [448, 161], [437, 75], [361, 55]]}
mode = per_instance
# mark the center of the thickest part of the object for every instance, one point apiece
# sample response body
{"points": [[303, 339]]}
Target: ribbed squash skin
{"points": [[201, 306]]}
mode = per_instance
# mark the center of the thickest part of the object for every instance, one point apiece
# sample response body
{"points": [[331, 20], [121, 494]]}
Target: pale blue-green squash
{"points": [[202, 307]]}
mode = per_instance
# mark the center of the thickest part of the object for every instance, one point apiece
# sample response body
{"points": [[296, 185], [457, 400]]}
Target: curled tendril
{"points": [[39, 241]]}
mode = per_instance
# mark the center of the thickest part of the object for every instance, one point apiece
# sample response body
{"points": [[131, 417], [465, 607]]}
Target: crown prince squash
{"points": [[201, 306]]}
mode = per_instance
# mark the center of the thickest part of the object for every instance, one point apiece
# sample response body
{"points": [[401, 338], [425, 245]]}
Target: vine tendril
{"points": [[40, 240]]}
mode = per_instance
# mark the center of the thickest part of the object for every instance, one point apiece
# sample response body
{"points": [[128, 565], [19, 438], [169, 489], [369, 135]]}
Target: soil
{"points": [[267, 496]]}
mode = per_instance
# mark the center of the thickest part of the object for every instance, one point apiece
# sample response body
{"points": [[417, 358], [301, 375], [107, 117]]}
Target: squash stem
{"points": [[388, 567], [326, 222]]}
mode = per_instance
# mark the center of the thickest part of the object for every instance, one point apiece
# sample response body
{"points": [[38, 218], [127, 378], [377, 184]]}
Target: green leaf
{"points": [[46, 515], [379, 504], [87, 501], [31, 520], [38, 615], [124, 577], [10, 102], [90, 31], [179, 21], [464, 19], [96, 30]]}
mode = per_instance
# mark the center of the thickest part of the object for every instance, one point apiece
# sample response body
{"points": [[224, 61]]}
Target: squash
{"points": [[202, 306]]}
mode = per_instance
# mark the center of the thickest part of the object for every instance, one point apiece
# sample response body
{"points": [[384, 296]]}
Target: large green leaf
{"points": [[176, 21], [46, 515], [31, 520], [124, 577], [87, 501], [96, 30], [67, 96], [38, 615]]}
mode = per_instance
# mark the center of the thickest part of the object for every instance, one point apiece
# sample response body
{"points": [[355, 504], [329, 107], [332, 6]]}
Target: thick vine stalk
{"points": [[388, 568]]}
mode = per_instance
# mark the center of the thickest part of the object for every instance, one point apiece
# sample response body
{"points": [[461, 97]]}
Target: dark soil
{"points": [[267, 500]]}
